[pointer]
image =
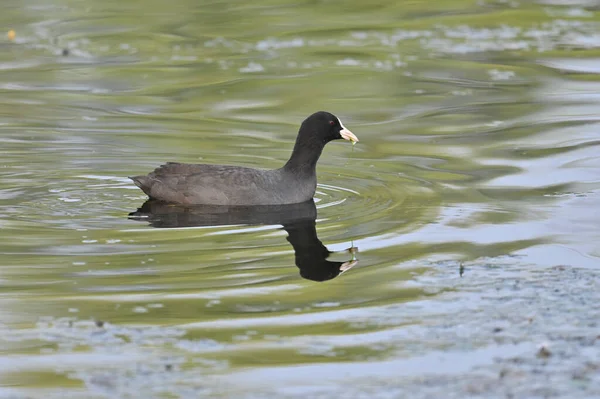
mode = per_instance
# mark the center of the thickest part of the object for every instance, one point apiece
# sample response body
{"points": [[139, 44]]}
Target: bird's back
{"points": [[196, 184]]}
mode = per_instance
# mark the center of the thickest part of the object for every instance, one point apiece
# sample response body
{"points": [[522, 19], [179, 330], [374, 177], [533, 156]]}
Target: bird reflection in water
{"points": [[298, 220]]}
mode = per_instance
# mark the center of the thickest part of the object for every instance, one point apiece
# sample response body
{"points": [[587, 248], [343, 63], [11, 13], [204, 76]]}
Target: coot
{"points": [[295, 182]]}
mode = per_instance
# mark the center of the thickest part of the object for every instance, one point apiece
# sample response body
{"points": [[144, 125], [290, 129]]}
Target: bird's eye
{"points": [[331, 123]]}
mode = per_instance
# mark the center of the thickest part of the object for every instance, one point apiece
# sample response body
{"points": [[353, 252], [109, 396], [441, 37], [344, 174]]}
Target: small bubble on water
{"points": [[495, 74], [359, 35], [348, 62], [213, 302], [252, 67]]}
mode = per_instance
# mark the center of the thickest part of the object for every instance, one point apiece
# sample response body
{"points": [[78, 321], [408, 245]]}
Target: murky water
{"points": [[472, 198]]}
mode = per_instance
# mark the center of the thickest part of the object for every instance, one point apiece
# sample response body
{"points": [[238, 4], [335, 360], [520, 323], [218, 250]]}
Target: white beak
{"points": [[347, 134]]}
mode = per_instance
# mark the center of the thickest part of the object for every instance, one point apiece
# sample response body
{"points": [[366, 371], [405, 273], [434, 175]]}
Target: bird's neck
{"points": [[304, 157]]}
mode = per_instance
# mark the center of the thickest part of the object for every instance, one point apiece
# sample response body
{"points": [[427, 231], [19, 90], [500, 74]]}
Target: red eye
{"points": [[331, 123]]}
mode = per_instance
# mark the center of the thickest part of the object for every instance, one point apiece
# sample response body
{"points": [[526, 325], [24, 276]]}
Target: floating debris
{"points": [[11, 35], [353, 250], [544, 351]]}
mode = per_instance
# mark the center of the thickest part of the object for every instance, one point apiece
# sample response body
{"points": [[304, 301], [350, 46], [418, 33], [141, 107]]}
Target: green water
{"points": [[479, 126]]}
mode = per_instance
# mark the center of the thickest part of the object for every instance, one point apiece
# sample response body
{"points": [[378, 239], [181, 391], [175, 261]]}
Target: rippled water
{"points": [[471, 198]]}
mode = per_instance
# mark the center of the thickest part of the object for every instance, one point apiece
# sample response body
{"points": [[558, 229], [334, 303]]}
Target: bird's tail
{"points": [[142, 182]]}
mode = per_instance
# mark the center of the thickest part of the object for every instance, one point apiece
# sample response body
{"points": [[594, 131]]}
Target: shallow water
{"points": [[472, 198]]}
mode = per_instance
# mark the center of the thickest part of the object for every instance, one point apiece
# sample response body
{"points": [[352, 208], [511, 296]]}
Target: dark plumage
{"points": [[295, 182]]}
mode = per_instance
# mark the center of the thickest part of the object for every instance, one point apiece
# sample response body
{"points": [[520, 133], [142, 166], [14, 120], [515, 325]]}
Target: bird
{"points": [[207, 184]]}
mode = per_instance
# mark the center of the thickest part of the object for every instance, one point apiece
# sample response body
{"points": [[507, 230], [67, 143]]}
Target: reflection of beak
{"points": [[347, 265], [347, 134]]}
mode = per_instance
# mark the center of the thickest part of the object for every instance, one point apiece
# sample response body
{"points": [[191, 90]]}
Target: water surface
{"points": [[472, 198]]}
